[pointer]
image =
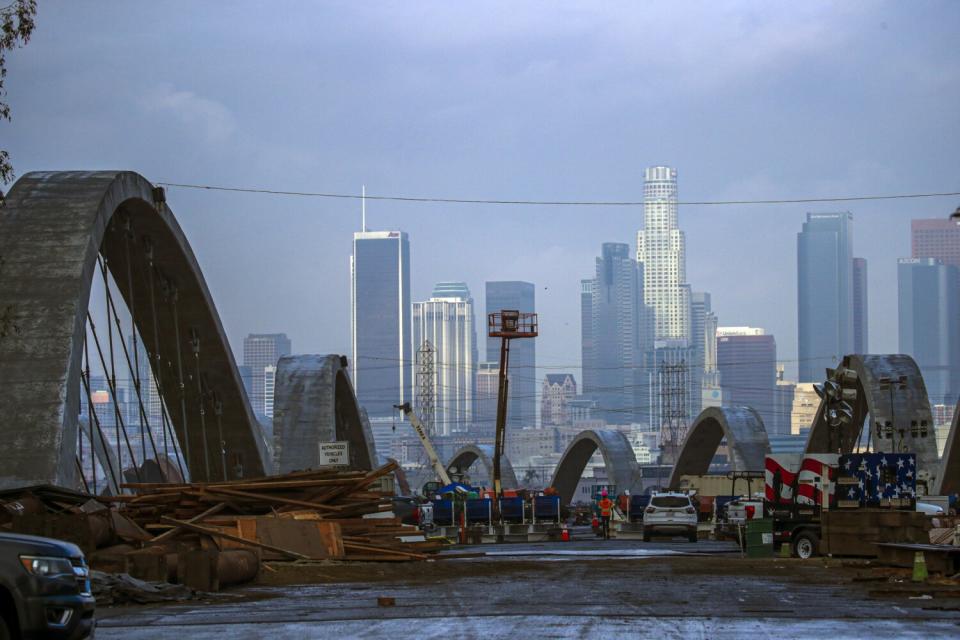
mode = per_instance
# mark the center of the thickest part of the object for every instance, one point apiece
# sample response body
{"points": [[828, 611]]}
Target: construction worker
{"points": [[606, 510]]}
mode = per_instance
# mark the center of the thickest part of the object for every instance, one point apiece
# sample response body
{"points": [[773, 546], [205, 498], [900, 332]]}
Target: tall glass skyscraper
{"points": [[661, 248], [446, 322], [617, 328], [522, 401], [929, 317], [380, 320], [262, 350], [824, 293], [861, 330]]}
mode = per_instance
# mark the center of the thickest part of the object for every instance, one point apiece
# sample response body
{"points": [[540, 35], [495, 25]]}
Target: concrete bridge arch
{"points": [[618, 457], [314, 402], [52, 229], [746, 439], [466, 456]]}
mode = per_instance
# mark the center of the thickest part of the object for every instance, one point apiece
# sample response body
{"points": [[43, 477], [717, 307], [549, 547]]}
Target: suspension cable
{"points": [[130, 366], [135, 370], [195, 343], [172, 291], [121, 428], [95, 421], [218, 411]]}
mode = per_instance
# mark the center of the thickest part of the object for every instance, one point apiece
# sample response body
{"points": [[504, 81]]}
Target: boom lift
{"points": [[425, 440]]}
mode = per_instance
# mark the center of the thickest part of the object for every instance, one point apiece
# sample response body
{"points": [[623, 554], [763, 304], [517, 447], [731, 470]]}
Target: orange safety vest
{"points": [[606, 504]]}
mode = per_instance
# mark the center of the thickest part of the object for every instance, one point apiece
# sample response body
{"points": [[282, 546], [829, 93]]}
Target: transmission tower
{"points": [[426, 398], [673, 400]]}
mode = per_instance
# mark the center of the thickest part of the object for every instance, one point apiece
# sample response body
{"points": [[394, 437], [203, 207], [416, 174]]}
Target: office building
{"points": [[446, 321], [522, 392], [861, 334], [661, 249], [269, 382], [805, 405], [703, 341], [262, 350], [783, 403], [929, 315], [618, 335], [936, 238], [747, 361], [487, 392], [382, 362], [559, 389], [824, 293]]}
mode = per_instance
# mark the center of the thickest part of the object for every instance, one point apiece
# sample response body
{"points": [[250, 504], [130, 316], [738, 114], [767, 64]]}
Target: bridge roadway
{"points": [[597, 589]]}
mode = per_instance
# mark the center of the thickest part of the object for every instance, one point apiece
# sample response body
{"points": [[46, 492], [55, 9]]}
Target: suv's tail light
{"points": [[690, 510], [416, 515], [650, 510]]}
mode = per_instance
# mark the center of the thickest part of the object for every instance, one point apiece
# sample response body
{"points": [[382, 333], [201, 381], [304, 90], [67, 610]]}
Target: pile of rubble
{"points": [[208, 535]]}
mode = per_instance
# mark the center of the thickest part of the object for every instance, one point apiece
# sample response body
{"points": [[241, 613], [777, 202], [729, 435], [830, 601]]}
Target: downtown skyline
{"points": [[560, 108]]}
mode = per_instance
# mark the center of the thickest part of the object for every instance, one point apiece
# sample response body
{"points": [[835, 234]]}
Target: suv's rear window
{"points": [[670, 502]]}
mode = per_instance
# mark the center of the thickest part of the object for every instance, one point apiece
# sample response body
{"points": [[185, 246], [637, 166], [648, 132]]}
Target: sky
{"points": [[502, 100]]}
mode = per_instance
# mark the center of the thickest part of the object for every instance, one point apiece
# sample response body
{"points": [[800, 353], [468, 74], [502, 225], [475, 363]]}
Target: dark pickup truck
{"points": [[44, 589]]}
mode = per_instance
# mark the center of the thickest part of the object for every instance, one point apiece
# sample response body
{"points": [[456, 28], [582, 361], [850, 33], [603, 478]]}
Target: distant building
{"points": [[824, 293], [262, 350], [783, 403], [616, 330], [929, 315], [269, 383], [936, 238], [805, 405], [942, 421], [487, 390], [446, 321], [382, 362], [861, 333], [747, 361], [703, 340], [522, 392], [661, 249], [559, 389], [580, 409]]}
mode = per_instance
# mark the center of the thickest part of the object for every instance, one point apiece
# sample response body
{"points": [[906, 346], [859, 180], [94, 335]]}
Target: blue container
{"points": [[511, 509], [479, 511], [443, 514], [546, 508]]}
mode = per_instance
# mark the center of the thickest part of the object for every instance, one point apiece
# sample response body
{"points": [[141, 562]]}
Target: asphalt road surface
{"points": [[587, 588]]}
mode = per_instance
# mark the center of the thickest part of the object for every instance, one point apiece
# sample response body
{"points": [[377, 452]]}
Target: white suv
{"points": [[670, 514]]}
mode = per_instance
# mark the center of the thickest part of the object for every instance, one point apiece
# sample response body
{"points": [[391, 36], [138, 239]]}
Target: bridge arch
{"points": [[314, 402], [948, 480], [889, 388], [52, 229], [618, 456], [746, 439], [466, 456]]}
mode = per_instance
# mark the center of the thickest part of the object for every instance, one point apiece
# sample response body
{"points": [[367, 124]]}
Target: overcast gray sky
{"points": [[508, 100]]}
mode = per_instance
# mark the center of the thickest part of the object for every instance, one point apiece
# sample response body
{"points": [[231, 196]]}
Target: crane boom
{"points": [[425, 439]]}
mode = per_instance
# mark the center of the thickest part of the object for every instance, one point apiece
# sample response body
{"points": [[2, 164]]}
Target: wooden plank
{"points": [[220, 534], [209, 512], [277, 499]]}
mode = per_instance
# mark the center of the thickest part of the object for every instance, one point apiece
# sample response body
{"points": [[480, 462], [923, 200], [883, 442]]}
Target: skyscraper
{"points": [[558, 390], [703, 341], [747, 361], [446, 321], [262, 350], [380, 320], [929, 315], [661, 249], [587, 352], [861, 336], [824, 293], [936, 238], [522, 391], [618, 331]]}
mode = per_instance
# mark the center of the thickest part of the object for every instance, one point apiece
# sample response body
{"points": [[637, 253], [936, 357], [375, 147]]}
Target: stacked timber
{"points": [[305, 515]]}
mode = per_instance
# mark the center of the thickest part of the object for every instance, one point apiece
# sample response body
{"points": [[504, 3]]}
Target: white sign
{"points": [[334, 454]]}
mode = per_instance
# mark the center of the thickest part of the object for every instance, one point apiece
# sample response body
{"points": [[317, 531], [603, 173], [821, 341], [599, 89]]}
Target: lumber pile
{"points": [[305, 515]]}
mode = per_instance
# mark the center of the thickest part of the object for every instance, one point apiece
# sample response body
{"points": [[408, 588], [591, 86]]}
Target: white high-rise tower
{"points": [[661, 248]]}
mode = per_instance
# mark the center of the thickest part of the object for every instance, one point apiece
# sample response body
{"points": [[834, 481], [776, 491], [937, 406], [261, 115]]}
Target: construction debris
{"points": [[207, 535]]}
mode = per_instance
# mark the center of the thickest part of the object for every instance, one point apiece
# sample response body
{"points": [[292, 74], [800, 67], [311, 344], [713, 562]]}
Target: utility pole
{"points": [[506, 325]]}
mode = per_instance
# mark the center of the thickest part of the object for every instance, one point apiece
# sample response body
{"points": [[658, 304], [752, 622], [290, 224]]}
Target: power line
{"points": [[566, 203]]}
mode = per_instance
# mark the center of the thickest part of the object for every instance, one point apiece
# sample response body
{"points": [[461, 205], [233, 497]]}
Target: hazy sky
{"points": [[502, 100]]}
